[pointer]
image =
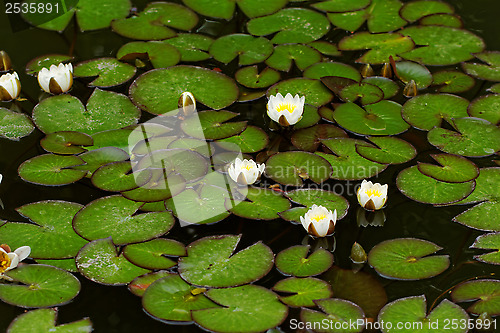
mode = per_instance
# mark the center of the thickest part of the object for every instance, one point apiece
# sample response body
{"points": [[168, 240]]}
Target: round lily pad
{"points": [[489, 70], [407, 71], [322, 69], [388, 150], [36, 64], [44, 320], [225, 8], [302, 291], [291, 168], [421, 188], [488, 242], [245, 309], [309, 139], [297, 261], [115, 177], [336, 312], [211, 262], [50, 169], [39, 286], [161, 55], [154, 254], [251, 140], [366, 92], [250, 50], [284, 54], [453, 169], [314, 91], [158, 91], [66, 142], [452, 81], [407, 259], [213, 125], [259, 204], [485, 293], [251, 78], [447, 20], [192, 47], [100, 262], [427, 111], [414, 10], [109, 71], [116, 217], [105, 110], [14, 125], [486, 107], [139, 285]]}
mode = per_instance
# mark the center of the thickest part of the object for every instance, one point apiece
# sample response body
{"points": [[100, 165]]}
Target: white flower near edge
{"points": [[10, 260], [10, 86], [56, 79], [319, 221], [372, 196], [286, 110], [245, 172]]}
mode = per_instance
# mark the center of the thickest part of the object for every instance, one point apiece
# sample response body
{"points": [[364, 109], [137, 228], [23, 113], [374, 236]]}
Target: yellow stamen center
{"points": [[372, 192], [318, 217], [4, 262], [288, 107], [248, 166]]}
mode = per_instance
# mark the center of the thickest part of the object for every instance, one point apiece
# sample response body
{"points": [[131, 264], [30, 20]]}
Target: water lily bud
{"points": [[187, 103], [358, 254], [386, 70], [372, 196], [57, 79], [367, 70], [410, 89], [245, 172], [366, 218], [285, 110], [319, 221], [5, 63], [10, 87]]}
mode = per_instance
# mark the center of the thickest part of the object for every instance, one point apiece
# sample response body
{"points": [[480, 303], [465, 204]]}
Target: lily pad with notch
{"points": [[192, 47], [367, 93], [485, 293], [340, 6], [116, 177], [408, 70], [309, 139], [486, 107], [251, 140], [314, 91], [94, 159], [161, 55], [158, 188], [301, 292], [452, 81], [45, 61], [297, 261], [213, 125], [14, 125], [139, 285], [387, 150], [225, 8], [251, 78], [388, 87], [310, 117], [155, 253], [335, 311], [259, 204], [488, 70], [44, 320], [51, 170], [249, 49], [66, 142], [338, 69], [326, 48], [488, 242], [452, 169], [447, 20], [285, 54], [109, 72], [414, 10]]}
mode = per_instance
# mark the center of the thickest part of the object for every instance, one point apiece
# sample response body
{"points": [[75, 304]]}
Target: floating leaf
{"points": [[407, 259], [139, 285], [250, 50], [304, 291], [68, 264], [310, 117], [192, 47], [118, 138], [446, 20], [296, 261], [158, 91], [336, 312], [154, 254], [389, 150], [51, 169], [44, 320], [45, 61], [66, 142], [489, 71], [421, 188], [339, 6], [251, 78], [94, 159], [453, 169], [284, 55], [109, 71], [452, 81], [325, 48], [314, 91], [413, 11], [486, 293], [161, 55], [293, 25], [366, 92], [39, 286], [14, 125], [259, 204], [388, 87], [488, 242], [211, 262], [310, 138], [408, 71], [225, 8], [322, 69], [251, 140], [115, 177], [486, 107], [213, 125]]}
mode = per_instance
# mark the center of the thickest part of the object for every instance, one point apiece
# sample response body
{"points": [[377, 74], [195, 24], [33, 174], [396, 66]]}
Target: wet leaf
{"points": [[485, 293], [116, 177], [314, 91], [322, 69], [367, 93], [259, 204], [285, 54], [413, 11], [139, 285], [36, 64], [303, 291], [66, 142], [52, 170], [297, 261], [452, 81], [488, 242], [408, 71], [339, 6], [251, 78], [486, 107], [251, 140], [14, 125], [109, 72], [154, 254], [161, 55], [225, 8], [309, 139], [446, 20], [389, 150], [488, 70], [335, 311], [213, 125], [44, 320], [192, 47], [249, 50], [452, 169]]}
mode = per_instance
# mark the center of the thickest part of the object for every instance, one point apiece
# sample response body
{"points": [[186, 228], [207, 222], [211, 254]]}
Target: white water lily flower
{"points": [[56, 79], [245, 172], [10, 86], [285, 110], [372, 196], [319, 221], [10, 260]]}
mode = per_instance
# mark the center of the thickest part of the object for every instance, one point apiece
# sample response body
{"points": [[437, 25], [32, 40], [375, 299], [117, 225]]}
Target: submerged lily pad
{"points": [[109, 71], [303, 291], [259, 204], [192, 47], [309, 139], [213, 125], [251, 78], [490, 70], [453, 169], [336, 312], [297, 261], [488, 242], [389, 150], [225, 8], [485, 293], [50, 169], [161, 55], [407, 259], [250, 50], [414, 10], [486, 107], [314, 91], [44, 320], [66, 142], [14, 125], [452, 81], [302, 55], [154, 254]]}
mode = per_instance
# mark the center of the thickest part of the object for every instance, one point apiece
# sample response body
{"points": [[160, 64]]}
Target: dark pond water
{"points": [[115, 309]]}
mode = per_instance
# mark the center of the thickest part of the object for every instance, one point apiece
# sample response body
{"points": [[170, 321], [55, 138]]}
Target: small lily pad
{"points": [[211, 262], [452, 81], [154, 254], [213, 125], [192, 47], [297, 261], [407, 259], [50, 169], [485, 293], [40, 286], [388, 87], [309, 139], [66, 142], [408, 71], [14, 125], [453, 169], [389, 150], [251, 140], [139, 285], [250, 50], [322, 69], [414, 10], [36, 64], [259, 204], [44, 320], [109, 71], [115, 177], [225, 8], [489, 70], [251, 78], [161, 55], [486, 107], [488, 242], [285, 54], [447, 20], [303, 291], [313, 90], [336, 312]]}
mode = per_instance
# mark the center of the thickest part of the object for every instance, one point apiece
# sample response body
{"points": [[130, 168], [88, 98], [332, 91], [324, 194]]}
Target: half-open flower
{"points": [[10, 260], [372, 196], [319, 221], [245, 172], [285, 110], [56, 79], [10, 87]]}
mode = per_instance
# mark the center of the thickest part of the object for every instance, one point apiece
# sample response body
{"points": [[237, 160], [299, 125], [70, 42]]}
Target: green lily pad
{"points": [[154, 254], [158, 188], [161, 55], [488, 70], [473, 137], [347, 163], [388, 87], [303, 291], [158, 91], [441, 45], [68, 264], [151, 145], [427, 111], [139, 285], [50, 235], [336, 312], [109, 71], [192, 47], [118, 138], [66, 142], [245, 309], [381, 16], [413, 11], [44, 320], [105, 110], [297, 261], [251, 140], [339, 6], [100, 262], [251, 78], [452, 169], [36, 64], [309, 139], [326, 48], [408, 71], [452, 81], [259, 204], [322, 69], [421, 188], [488, 242], [285, 54], [485, 292], [194, 145], [291, 168], [293, 25], [40, 286], [14, 125], [486, 107], [211, 262], [172, 299], [366, 92], [413, 312], [381, 46], [382, 118], [250, 50], [213, 125], [225, 8], [115, 177], [388, 150], [447, 20], [310, 117], [407, 259], [314, 91], [156, 22], [94, 159], [116, 217], [51, 169]]}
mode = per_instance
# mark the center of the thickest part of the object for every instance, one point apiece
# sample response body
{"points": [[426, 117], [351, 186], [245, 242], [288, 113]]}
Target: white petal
{"points": [[322, 227], [305, 223], [363, 198], [377, 202], [14, 260], [232, 173], [23, 252]]}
